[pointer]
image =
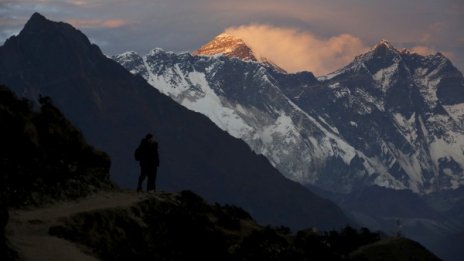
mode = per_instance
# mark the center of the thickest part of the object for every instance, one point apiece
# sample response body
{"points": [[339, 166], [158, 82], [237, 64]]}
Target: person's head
{"points": [[149, 136]]}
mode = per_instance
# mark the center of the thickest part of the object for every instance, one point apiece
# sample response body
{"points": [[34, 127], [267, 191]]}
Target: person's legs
{"points": [[141, 179], [151, 182]]}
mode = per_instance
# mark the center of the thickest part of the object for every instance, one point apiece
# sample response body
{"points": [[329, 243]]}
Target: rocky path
{"points": [[28, 229]]}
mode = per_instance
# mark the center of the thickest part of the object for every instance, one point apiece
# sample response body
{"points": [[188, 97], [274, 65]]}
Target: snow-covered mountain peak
{"points": [[384, 44], [381, 56], [128, 55], [133, 60], [157, 51], [382, 50], [227, 45], [234, 47]]}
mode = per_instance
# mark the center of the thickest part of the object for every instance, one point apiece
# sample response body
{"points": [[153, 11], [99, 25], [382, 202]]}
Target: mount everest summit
{"points": [[227, 45], [390, 118], [233, 47]]}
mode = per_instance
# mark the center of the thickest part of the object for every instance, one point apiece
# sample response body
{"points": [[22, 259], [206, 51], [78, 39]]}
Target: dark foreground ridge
{"points": [[182, 226]]}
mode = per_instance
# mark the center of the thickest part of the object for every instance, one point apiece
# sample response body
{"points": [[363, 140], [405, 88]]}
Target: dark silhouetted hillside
{"points": [[43, 156]]}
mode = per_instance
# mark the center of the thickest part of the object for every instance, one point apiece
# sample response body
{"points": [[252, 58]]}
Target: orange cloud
{"points": [[296, 50], [423, 50], [95, 23]]}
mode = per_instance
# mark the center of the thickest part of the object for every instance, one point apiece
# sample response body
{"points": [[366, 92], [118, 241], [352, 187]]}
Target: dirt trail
{"points": [[27, 230]]}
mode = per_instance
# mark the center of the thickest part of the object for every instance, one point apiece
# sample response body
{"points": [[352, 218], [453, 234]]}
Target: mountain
{"points": [[229, 46], [47, 164], [115, 109], [390, 118], [378, 135], [243, 99], [233, 47], [402, 110]]}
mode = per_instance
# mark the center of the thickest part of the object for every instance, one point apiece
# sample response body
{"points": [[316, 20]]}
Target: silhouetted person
{"points": [[147, 155]]}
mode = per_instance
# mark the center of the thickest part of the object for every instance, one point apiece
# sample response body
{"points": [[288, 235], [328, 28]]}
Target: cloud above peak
{"points": [[296, 50], [422, 50]]}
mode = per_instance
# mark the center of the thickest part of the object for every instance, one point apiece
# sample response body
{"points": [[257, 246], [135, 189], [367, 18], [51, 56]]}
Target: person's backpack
{"points": [[138, 154]]}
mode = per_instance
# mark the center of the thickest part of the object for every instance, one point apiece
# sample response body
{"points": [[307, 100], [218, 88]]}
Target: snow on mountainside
{"points": [[242, 98], [390, 118], [410, 111]]}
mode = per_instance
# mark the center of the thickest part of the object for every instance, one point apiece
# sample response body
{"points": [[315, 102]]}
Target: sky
{"points": [[314, 35]]}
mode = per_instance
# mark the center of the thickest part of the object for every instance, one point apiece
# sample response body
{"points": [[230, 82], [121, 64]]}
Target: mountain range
{"points": [[391, 118], [383, 137], [56, 194], [115, 109]]}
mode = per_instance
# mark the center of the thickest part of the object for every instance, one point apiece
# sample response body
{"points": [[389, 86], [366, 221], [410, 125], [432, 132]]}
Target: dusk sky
{"points": [[315, 35]]}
